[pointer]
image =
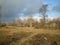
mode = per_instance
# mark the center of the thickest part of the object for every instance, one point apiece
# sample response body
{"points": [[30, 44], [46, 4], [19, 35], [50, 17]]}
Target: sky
{"points": [[13, 9], [51, 5]]}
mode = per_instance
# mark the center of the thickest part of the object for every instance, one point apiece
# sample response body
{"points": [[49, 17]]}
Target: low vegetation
{"points": [[28, 36]]}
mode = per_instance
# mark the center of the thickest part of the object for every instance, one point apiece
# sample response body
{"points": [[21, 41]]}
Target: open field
{"points": [[28, 36]]}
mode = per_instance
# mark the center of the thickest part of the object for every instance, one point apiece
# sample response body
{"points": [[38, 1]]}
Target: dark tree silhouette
{"points": [[43, 11]]}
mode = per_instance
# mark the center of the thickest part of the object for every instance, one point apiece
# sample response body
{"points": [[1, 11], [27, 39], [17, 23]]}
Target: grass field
{"points": [[28, 36]]}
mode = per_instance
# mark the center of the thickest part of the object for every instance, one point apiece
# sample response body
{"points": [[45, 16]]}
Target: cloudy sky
{"points": [[12, 9]]}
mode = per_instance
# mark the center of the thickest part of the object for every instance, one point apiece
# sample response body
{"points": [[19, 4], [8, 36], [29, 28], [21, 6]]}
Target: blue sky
{"points": [[51, 4]]}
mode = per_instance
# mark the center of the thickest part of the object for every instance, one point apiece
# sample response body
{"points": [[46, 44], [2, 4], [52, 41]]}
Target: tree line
{"points": [[30, 22]]}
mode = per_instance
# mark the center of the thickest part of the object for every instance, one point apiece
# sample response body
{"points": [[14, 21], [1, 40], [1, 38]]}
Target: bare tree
{"points": [[43, 11], [30, 21]]}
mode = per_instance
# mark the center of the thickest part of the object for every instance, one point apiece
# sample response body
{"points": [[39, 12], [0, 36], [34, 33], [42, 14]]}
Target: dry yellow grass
{"points": [[23, 35]]}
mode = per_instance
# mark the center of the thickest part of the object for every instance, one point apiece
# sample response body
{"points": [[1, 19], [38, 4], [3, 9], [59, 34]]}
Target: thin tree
{"points": [[30, 21], [43, 11]]}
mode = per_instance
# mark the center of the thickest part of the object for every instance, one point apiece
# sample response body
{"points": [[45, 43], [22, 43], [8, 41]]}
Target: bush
{"points": [[2, 24]]}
